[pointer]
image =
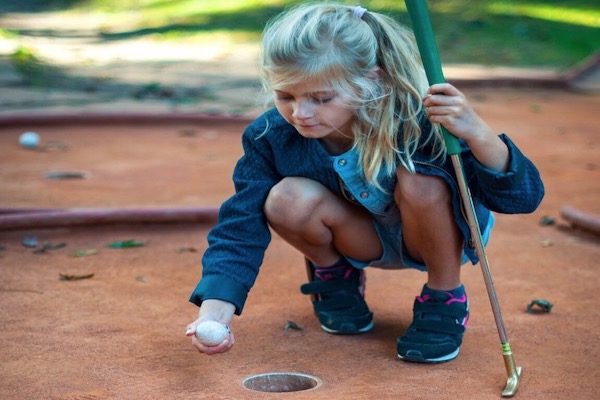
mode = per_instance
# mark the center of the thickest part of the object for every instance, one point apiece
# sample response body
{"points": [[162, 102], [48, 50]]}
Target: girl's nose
{"points": [[303, 110]]}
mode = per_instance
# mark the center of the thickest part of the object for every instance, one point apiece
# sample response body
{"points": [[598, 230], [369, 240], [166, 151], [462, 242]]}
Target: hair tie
{"points": [[359, 11]]}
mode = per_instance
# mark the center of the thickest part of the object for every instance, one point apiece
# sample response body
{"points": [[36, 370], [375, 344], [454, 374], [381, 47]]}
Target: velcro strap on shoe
{"points": [[455, 310], [438, 326], [334, 304], [316, 287]]}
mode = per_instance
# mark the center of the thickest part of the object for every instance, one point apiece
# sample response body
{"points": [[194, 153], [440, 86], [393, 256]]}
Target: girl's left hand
{"points": [[447, 106]]}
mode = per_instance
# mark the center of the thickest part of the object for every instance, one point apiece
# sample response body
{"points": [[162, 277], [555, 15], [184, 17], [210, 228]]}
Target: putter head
{"points": [[512, 382]]}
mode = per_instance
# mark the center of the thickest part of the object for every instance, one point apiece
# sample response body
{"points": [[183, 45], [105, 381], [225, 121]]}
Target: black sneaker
{"points": [[338, 299], [436, 333]]}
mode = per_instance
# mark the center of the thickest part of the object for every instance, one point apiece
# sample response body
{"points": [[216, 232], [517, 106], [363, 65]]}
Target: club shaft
{"points": [[467, 201]]}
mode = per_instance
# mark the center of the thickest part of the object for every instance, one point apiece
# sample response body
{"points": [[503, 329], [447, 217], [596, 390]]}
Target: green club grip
{"points": [[421, 24]]}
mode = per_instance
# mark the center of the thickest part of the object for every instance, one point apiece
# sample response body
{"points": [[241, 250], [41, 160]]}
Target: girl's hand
{"points": [[222, 347], [215, 310], [448, 106]]}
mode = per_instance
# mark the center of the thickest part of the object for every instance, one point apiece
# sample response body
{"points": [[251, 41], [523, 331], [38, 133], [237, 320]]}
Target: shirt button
{"points": [[364, 195], [342, 162]]}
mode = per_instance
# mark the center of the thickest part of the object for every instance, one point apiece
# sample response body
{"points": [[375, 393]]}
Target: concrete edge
{"points": [[583, 68], [562, 81]]}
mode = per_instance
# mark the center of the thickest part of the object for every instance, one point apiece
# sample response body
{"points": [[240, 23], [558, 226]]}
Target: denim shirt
{"points": [[273, 149]]}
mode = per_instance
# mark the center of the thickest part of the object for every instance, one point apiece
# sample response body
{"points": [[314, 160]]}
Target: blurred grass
{"points": [[551, 33]]}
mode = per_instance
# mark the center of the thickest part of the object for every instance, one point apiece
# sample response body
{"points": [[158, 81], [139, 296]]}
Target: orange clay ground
{"points": [[120, 334]]}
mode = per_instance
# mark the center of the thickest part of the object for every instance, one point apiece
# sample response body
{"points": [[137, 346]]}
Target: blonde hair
{"points": [[372, 62]]}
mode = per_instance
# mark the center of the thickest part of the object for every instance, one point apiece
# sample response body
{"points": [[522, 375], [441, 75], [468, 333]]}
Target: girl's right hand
{"points": [[213, 310]]}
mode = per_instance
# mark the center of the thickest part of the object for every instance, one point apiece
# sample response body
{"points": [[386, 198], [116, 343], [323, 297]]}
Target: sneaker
{"points": [[436, 333], [338, 299]]}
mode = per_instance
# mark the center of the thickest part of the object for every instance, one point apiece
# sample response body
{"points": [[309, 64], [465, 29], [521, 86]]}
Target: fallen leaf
{"points": [[547, 220], [49, 246], [30, 242], [188, 132], [84, 253], [126, 244], [3, 289], [539, 306], [66, 175], [64, 277], [187, 250], [292, 325]]}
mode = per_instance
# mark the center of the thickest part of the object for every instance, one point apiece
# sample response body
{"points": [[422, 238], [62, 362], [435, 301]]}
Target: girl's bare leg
{"points": [[430, 234], [320, 224]]}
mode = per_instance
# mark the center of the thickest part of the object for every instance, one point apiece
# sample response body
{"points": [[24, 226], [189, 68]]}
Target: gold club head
{"points": [[512, 382]]}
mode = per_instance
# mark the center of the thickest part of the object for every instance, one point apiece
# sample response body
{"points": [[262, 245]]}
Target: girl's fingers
{"points": [[444, 89], [444, 94], [443, 100], [222, 347], [443, 110], [190, 330]]}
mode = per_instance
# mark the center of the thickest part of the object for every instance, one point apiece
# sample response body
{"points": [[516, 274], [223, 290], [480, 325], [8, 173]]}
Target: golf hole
{"points": [[281, 382]]}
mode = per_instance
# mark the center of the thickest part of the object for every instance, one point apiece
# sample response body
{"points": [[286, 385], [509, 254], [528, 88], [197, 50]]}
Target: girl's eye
{"points": [[321, 99], [324, 99]]}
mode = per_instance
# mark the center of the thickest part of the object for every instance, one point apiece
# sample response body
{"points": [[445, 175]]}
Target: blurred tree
{"points": [[37, 5]]}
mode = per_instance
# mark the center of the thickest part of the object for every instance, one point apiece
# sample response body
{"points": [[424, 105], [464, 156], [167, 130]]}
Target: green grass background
{"points": [[530, 33]]}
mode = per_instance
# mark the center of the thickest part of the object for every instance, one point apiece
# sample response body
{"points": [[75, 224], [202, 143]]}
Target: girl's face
{"points": [[316, 111]]}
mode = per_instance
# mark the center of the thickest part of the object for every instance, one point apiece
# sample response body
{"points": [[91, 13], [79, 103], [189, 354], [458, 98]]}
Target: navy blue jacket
{"points": [[273, 149]]}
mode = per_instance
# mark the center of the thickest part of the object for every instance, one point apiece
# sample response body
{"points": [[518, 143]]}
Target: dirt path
{"points": [[120, 333]]}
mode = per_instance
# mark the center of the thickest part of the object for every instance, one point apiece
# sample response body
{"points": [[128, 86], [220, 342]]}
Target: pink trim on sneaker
{"points": [[326, 274], [461, 299]]}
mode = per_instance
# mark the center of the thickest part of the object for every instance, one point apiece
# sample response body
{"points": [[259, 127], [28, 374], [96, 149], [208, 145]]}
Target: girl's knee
{"points": [[420, 190], [293, 198]]}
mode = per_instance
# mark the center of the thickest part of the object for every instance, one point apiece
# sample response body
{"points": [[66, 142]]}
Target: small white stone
{"points": [[211, 333], [29, 140]]}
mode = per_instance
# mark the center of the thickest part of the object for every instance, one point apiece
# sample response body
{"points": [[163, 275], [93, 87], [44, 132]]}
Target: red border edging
{"points": [[31, 218], [110, 118]]}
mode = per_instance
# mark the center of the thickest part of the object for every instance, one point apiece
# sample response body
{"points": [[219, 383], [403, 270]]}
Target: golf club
{"points": [[421, 24]]}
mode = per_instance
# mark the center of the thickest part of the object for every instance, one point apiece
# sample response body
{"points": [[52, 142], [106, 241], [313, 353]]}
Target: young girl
{"points": [[351, 170]]}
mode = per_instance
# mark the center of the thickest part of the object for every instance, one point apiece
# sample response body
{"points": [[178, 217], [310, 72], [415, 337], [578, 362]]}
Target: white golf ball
{"points": [[211, 333], [29, 140]]}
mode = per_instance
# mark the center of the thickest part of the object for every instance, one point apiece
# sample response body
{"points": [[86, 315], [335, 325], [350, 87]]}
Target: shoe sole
{"points": [[349, 331], [418, 358]]}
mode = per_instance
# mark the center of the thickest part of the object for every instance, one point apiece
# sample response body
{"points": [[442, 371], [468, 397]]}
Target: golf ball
{"points": [[29, 140], [211, 333]]}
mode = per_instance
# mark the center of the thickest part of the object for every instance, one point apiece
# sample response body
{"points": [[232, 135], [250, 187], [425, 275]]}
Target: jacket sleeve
{"points": [[518, 190], [236, 245]]}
